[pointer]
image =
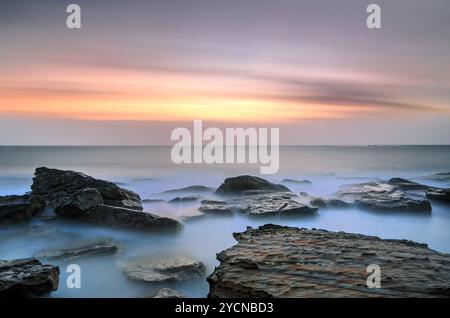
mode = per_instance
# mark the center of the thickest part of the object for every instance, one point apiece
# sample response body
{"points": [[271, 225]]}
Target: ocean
{"points": [[149, 171]]}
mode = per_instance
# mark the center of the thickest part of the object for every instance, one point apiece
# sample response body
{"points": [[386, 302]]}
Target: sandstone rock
{"points": [[169, 269], [98, 248], [238, 185], [274, 203], [276, 261], [169, 293], [56, 186], [27, 278], [381, 196], [216, 207], [19, 208], [439, 194]]}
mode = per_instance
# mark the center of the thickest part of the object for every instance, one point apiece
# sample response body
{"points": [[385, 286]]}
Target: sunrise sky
{"points": [[138, 69]]}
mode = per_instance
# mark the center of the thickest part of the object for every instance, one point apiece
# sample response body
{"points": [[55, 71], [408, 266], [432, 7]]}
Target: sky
{"points": [[138, 69]]}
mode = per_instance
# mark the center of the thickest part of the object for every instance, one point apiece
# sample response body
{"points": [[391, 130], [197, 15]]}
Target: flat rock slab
{"points": [[274, 204], [169, 293], [216, 207], [439, 194], [98, 248], [162, 270], [27, 278], [19, 208], [276, 261]]}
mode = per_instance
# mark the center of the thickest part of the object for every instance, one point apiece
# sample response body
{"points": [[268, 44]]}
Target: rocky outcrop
{"points": [[163, 270], [406, 185], [98, 248], [439, 194], [380, 196], [169, 293], [19, 208], [276, 261], [274, 204], [328, 203], [215, 207], [188, 199], [242, 185], [56, 186], [191, 190], [87, 205], [27, 278], [441, 177]]}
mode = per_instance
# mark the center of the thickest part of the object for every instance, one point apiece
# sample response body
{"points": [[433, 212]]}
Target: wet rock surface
{"points": [[439, 194], [216, 207], [163, 270], [57, 186], [406, 185], [276, 261], [274, 203], [187, 199], [441, 176], [27, 278], [104, 247], [244, 184], [380, 196], [328, 203], [19, 208], [295, 181], [169, 293]]}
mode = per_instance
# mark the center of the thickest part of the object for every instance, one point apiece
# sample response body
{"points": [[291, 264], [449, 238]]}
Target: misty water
{"points": [[150, 171]]}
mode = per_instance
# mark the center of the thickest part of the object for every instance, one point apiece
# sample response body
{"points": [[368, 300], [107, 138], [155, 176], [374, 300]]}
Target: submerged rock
{"points": [[404, 184], [169, 293], [328, 203], [98, 248], [216, 207], [276, 261], [27, 278], [243, 184], [190, 189], [296, 181], [19, 208], [442, 177], [381, 196], [56, 186], [439, 194], [188, 199], [168, 269], [274, 203]]}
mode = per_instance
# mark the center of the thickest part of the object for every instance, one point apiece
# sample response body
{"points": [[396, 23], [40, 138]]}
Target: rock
{"points": [[238, 185], [27, 278], [296, 181], [215, 207], [442, 177], [439, 194], [98, 248], [169, 293], [191, 189], [381, 196], [274, 203], [79, 203], [56, 186], [328, 203], [153, 201], [276, 261], [404, 184], [19, 208], [169, 269], [188, 199], [131, 219]]}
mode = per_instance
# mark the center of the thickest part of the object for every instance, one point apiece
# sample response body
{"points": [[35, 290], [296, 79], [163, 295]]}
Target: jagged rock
{"points": [[382, 197], [169, 269], [216, 207], [442, 177], [19, 208], [328, 203], [56, 186], [296, 181], [188, 199], [439, 194], [27, 278], [241, 184], [79, 203], [276, 261], [404, 184], [98, 248], [191, 189], [274, 203], [169, 293]]}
